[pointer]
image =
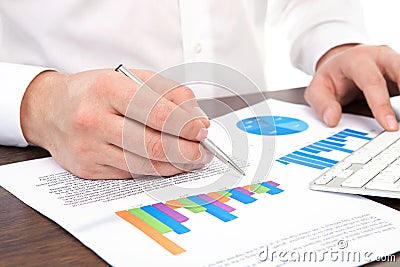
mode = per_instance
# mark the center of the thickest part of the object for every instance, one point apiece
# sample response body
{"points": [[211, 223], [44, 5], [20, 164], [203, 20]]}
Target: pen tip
{"points": [[238, 169]]}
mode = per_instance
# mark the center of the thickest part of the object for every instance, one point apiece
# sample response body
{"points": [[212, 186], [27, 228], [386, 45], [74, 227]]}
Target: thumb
{"points": [[323, 101]]}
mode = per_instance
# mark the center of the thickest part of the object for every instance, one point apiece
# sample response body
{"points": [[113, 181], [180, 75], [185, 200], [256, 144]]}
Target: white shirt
{"points": [[74, 35]]}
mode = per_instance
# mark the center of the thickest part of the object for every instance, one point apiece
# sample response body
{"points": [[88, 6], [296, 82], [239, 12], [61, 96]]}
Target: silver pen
{"points": [[206, 143]]}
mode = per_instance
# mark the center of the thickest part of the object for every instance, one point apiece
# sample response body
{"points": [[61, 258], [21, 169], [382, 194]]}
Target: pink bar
{"points": [[244, 191], [272, 183], [216, 203], [170, 212]]}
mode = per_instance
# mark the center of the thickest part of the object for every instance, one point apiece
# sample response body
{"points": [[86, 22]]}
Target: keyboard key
{"points": [[324, 179], [383, 140], [385, 178], [345, 174], [360, 178], [362, 159], [384, 186], [343, 165]]}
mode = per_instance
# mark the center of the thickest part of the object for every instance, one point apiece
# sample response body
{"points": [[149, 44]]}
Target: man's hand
{"points": [[345, 73], [97, 123]]}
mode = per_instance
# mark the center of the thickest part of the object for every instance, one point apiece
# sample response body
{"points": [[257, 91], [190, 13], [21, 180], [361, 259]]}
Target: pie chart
{"points": [[272, 125]]}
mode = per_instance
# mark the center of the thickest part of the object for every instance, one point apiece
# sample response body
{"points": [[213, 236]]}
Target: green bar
{"points": [[259, 189], [225, 193], [150, 220], [192, 206]]}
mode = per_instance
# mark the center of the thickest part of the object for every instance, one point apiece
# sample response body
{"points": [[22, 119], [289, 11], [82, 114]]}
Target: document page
{"points": [[214, 217]]}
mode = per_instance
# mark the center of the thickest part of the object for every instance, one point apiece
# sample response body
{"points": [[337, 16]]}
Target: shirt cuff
{"points": [[315, 43], [15, 78]]}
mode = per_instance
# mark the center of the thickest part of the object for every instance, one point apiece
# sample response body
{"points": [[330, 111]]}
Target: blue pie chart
{"points": [[272, 125]]}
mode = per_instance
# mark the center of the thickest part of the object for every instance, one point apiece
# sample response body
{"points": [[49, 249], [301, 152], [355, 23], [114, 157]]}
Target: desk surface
{"points": [[29, 238]]}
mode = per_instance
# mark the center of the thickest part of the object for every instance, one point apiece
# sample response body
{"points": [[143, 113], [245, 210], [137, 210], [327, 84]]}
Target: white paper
{"points": [[297, 225]]}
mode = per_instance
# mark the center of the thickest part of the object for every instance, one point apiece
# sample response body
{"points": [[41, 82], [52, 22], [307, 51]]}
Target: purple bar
{"points": [[272, 183], [170, 212], [244, 191], [216, 203]]}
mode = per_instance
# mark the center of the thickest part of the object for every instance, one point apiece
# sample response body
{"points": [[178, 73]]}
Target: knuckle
{"points": [[205, 122], [382, 51], [185, 92], [357, 50], [155, 148], [190, 151], [383, 48], [102, 81], [83, 119], [195, 154], [160, 114], [375, 80]]}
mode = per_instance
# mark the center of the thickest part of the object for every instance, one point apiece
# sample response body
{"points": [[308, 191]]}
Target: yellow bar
{"points": [[150, 232]]}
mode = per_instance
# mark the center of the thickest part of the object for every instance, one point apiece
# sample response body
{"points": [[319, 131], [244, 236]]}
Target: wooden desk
{"points": [[29, 239]]}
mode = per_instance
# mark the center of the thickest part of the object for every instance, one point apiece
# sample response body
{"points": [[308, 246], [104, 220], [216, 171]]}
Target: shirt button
{"points": [[198, 48]]}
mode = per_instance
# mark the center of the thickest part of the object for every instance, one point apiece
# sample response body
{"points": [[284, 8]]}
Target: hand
{"points": [[345, 73], [97, 123]]}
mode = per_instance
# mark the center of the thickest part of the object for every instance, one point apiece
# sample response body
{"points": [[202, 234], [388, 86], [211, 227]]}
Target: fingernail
{"points": [[391, 122], [327, 115], [202, 134], [198, 112]]}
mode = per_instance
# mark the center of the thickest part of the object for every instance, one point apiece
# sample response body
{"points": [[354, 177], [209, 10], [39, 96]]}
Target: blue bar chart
{"points": [[310, 155]]}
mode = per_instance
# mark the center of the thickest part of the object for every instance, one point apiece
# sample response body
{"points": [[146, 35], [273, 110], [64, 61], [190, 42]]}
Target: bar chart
{"points": [[158, 219], [310, 156]]}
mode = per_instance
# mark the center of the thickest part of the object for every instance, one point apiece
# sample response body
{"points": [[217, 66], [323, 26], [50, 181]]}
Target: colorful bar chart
{"points": [[158, 219], [308, 155]]}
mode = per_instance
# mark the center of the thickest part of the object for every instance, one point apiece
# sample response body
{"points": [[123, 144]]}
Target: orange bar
{"points": [[218, 196], [150, 232], [247, 187], [174, 204]]}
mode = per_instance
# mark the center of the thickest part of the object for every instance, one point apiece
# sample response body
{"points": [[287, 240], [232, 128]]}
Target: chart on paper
{"points": [[158, 219], [327, 152]]}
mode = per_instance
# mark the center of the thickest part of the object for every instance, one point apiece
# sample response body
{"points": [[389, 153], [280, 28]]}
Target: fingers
{"points": [[112, 162], [366, 67], [389, 61], [117, 163], [368, 75], [321, 97], [140, 166], [152, 109], [179, 94], [152, 144]]}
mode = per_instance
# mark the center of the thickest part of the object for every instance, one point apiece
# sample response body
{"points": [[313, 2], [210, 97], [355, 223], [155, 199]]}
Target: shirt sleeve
{"points": [[14, 80], [313, 27]]}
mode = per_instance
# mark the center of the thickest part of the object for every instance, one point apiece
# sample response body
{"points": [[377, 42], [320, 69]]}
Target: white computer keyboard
{"points": [[373, 169]]}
